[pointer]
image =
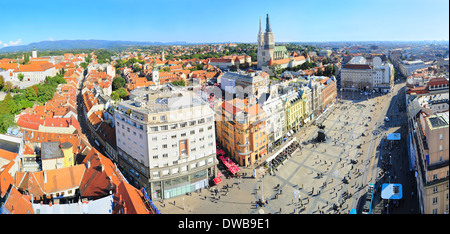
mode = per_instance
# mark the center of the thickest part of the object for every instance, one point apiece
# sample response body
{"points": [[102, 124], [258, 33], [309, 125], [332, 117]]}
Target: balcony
{"points": [[244, 153], [243, 145]]}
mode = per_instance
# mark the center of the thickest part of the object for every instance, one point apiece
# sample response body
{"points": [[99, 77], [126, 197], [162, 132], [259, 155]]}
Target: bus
{"points": [[367, 208]]}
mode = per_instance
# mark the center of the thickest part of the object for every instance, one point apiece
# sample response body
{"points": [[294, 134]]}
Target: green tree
{"points": [[121, 92], [118, 82], [45, 93], [115, 96], [30, 94], [2, 81], [84, 65], [20, 76], [88, 58], [6, 120], [8, 86], [178, 83]]}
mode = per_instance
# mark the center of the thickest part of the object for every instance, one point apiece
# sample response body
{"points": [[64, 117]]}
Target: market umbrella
{"points": [[217, 180], [234, 169]]}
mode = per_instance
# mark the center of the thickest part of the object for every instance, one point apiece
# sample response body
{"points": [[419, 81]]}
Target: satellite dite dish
{"points": [[376, 61]]}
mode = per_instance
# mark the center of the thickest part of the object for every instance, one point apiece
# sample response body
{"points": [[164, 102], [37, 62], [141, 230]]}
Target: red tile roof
{"points": [[17, 203], [42, 183], [129, 200], [100, 177], [6, 179], [34, 67]]}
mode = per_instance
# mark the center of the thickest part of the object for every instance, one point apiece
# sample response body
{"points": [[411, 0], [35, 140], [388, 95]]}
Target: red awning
{"points": [[234, 169], [217, 180]]}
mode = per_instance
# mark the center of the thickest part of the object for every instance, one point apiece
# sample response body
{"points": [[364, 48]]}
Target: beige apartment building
{"points": [[432, 161], [241, 130], [166, 141]]}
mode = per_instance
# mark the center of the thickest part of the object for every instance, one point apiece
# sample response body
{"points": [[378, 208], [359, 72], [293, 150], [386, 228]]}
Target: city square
{"points": [[318, 178], [257, 112]]}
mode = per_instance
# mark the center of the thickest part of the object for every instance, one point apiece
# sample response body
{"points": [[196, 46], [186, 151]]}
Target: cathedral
{"points": [[269, 54]]}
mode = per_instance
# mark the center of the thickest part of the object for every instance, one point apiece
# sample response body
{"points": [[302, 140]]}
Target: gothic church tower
{"points": [[266, 44]]}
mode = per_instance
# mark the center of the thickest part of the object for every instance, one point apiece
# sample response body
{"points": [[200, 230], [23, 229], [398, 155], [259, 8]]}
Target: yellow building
{"points": [[294, 108], [241, 130], [67, 150], [55, 155]]}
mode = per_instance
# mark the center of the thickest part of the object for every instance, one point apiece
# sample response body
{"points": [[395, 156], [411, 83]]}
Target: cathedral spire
{"points": [[260, 27], [268, 28]]}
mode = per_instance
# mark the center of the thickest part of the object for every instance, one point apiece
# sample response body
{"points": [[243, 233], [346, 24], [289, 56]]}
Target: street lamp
{"points": [[261, 170]]}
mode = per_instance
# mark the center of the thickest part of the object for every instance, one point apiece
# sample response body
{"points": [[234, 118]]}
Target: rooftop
{"points": [[439, 120], [51, 150], [246, 77], [162, 98]]}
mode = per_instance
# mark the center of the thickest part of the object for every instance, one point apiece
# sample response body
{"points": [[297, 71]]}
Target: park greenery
{"points": [[37, 94]]}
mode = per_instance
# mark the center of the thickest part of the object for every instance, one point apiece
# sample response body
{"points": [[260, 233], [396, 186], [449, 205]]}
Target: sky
{"points": [[202, 21]]}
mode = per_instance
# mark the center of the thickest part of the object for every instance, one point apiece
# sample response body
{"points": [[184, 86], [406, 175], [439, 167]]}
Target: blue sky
{"points": [[223, 21]]}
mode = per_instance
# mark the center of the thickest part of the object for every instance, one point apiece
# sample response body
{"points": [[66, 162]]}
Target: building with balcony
{"points": [[241, 130], [166, 141], [275, 116], [430, 145]]}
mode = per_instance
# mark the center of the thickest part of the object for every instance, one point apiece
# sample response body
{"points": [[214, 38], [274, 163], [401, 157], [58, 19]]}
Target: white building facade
{"points": [[275, 118], [408, 67], [166, 141]]}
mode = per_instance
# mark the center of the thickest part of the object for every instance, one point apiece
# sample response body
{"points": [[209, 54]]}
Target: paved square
{"points": [[311, 179]]}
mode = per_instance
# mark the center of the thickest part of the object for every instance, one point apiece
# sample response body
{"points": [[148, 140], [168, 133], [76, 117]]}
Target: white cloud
{"points": [[13, 43], [5, 45], [50, 39]]}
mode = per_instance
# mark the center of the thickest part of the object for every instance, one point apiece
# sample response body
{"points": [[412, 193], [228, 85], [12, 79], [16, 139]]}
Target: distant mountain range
{"points": [[82, 44]]}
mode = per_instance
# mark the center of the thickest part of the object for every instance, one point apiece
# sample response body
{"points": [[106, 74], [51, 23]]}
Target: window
{"points": [[435, 200]]}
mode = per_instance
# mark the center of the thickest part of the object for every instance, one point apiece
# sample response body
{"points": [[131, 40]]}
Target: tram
{"points": [[367, 208]]}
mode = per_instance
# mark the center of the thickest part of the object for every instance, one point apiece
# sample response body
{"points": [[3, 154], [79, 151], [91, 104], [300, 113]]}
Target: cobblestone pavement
{"points": [[311, 180]]}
